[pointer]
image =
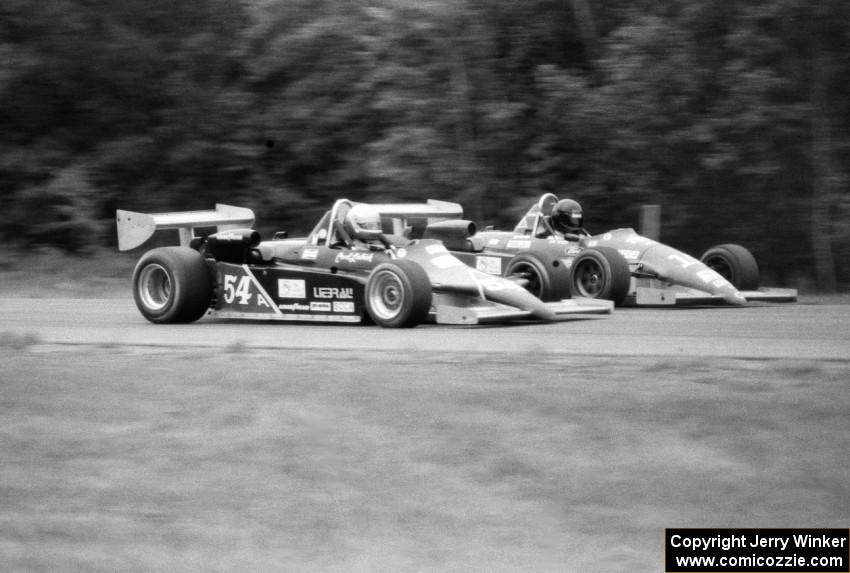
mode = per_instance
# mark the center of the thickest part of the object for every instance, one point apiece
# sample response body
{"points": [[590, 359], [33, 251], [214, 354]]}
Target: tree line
{"points": [[731, 115]]}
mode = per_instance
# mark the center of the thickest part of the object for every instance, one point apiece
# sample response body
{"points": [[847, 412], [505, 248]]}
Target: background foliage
{"points": [[732, 115]]}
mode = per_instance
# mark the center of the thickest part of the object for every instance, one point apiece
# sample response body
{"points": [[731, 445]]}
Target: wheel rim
{"points": [[154, 287], [721, 266], [527, 272], [589, 278], [386, 296]]}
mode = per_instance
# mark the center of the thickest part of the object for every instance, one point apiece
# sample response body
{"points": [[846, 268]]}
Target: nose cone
{"points": [[452, 275], [682, 269], [734, 297], [497, 289]]}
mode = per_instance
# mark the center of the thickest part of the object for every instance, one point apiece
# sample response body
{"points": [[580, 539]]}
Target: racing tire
{"points": [[734, 263], [600, 272], [398, 294], [546, 282], [172, 285]]}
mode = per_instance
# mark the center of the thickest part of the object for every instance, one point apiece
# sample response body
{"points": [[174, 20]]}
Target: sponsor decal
{"points": [[489, 265], [493, 242], [310, 254], [320, 306], [352, 257], [333, 292], [343, 306], [291, 288], [446, 262], [435, 249], [225, 236], [573, 250], [295, 307], [593, 243], [519, 244], [629, 255]]}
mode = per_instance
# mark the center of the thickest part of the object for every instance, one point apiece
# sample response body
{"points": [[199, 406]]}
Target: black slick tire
{"points": [[734, 263], [398, 294], [172, 285], [548, 282], [600, 272]]}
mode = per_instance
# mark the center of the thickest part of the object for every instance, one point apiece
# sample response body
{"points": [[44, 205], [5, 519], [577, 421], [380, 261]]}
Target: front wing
{"points": [[460, 309], [651, 293]]}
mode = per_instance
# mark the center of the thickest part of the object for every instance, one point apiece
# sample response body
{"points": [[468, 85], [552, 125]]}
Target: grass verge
{"points": [[133, 460]]}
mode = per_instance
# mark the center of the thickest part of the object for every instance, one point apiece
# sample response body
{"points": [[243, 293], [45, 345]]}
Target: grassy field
{"points": [[43, 273], [120, 459]]}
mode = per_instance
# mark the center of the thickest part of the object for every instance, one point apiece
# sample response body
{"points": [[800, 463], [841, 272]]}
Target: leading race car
{"points": [[619, 265], [347, 270]]}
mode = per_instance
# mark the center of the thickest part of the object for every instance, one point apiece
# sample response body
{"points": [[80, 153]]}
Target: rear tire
{"points": [[600, 272], [398, 294], [734, 263], [546, 282], [172, 285]]}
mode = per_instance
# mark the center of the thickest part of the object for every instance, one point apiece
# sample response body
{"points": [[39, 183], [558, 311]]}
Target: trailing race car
{"points": [[346, 270], [619, 265]]}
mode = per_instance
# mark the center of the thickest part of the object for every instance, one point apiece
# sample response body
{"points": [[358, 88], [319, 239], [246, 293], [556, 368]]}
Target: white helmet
{"points": [[363, 222]]}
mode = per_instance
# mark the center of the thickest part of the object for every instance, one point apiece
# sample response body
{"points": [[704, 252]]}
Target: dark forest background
{"points": [[733, 115]]}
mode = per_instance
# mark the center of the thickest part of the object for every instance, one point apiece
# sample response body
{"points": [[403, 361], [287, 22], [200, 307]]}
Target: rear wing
{"points": [[402, 214], [134, 229], [433, 208]]}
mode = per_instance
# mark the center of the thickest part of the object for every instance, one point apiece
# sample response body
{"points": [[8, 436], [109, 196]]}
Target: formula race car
{"points": [[619, 265], [347, 270]]}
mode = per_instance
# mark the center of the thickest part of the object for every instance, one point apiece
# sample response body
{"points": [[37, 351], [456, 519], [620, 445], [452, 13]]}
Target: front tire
{"points": [[172, 285], [600, 272], [546, 282], [398, 294], [734, 263]]}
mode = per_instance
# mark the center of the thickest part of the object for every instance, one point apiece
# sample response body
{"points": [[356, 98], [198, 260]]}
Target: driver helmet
{"points": [[363, 222], [566, 216]]}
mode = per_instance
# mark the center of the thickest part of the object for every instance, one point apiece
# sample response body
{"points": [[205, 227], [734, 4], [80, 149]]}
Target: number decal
{"points": [[234, 290]]}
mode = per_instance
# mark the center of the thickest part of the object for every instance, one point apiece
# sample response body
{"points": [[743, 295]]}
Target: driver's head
{"points": [[363, 222], [566, 216]]}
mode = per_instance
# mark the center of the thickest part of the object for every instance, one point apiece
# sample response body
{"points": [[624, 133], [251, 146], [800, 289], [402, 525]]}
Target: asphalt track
{"points": [[761, 330]]}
